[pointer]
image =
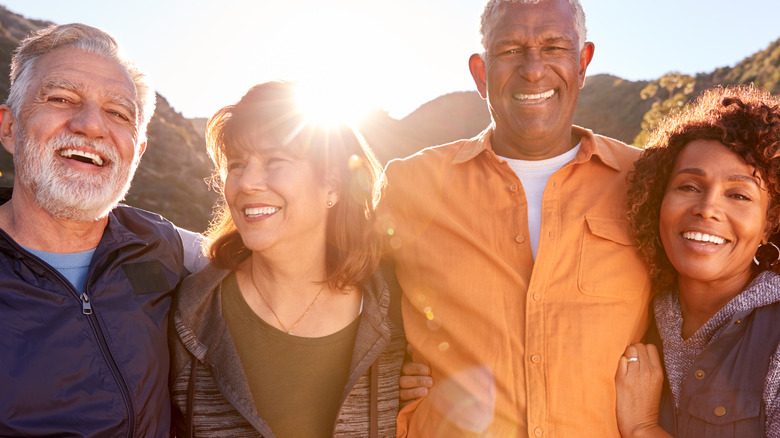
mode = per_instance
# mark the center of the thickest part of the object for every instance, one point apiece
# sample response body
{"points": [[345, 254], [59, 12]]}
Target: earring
{"points": [[330, 204], [762, 249]]}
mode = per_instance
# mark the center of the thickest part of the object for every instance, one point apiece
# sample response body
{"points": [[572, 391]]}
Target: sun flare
{"points": [[323, 104]]}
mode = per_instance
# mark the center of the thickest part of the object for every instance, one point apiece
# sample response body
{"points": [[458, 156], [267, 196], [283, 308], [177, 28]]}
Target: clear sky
{"points": [[393, 55]]}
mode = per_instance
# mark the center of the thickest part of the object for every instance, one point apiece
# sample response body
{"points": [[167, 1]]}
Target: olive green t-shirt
{"points": [[296, 382]]}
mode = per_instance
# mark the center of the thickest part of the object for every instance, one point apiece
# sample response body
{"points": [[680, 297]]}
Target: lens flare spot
{"points": [[355, 162]]}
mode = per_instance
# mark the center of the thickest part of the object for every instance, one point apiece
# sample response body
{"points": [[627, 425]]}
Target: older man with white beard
{"points": [[85, 283]]}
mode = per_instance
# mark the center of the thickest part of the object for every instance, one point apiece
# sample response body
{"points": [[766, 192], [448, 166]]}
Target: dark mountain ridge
{"points": [[171, 179]]}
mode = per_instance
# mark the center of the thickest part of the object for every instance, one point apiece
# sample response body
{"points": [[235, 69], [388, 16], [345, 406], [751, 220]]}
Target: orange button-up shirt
{"points": [[517, 347]]}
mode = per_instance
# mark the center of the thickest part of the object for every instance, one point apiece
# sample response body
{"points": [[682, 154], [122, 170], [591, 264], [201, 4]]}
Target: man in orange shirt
{"points": [[521, 285]]}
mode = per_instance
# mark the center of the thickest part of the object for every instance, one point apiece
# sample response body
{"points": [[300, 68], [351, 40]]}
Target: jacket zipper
{"points": [[88, 312], [86, 309]]}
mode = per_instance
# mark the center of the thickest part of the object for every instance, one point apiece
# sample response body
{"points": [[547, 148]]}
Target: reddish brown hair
{"points": [[270, 111]]}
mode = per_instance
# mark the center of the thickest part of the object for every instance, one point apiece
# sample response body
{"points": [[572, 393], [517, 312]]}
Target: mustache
{"points": [[97, 146]]}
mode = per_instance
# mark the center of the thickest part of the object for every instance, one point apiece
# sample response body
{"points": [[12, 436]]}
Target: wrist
{"points": [[648, 431]]}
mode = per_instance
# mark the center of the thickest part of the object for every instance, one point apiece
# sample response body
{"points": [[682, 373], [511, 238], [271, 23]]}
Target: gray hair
{"points": [[576, 9], [89, 39]]}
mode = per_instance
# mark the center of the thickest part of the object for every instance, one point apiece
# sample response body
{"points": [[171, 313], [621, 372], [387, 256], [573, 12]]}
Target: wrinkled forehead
{"points": [[80, 71]]}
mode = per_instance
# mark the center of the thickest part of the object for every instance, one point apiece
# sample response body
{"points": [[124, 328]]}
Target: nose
{"points": [[88, 120], [532, 66], [253, 178], [708, 206]]}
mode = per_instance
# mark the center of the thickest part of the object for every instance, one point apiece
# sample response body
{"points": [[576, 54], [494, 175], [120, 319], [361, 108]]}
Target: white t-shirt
{"points": [[533, 176]]}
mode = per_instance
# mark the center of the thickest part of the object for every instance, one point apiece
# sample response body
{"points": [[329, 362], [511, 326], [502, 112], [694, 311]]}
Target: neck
{"points": [[290, 294], [290, 278], [31, 226], [508, 145], [700, 301]]}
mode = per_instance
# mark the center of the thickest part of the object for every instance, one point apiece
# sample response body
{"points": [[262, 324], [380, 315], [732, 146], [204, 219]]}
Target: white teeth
{"points": [[545, 95], [260, 211], [701, 237], [94, 158]]}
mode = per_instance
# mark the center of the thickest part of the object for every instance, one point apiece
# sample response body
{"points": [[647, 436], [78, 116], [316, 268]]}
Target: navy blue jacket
{"points": [[94, 364], [722, 396]]}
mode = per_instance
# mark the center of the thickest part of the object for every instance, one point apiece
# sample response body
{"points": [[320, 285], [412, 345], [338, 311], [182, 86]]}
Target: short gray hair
{"points": [[89, 39], [576, 9]]}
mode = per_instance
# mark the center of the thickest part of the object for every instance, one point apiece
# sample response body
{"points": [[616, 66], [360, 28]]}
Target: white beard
{"points": [[67, 193]]}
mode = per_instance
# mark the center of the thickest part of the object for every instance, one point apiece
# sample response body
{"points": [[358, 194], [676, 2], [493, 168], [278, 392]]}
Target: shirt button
{"points": [[537, 296], [538, 431], [520, 239], [536, 359], [700, 374], [719, 411], [513, 188]]}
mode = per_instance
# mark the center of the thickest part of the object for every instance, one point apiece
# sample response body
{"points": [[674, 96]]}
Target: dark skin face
{"points": [[531, 74], [712, 219]]}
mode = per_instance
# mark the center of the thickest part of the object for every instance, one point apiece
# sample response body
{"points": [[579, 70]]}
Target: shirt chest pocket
{"points": [[609, 264]]}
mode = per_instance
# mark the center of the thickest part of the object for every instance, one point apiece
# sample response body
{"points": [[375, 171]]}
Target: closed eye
{"points": [[233, 165]]}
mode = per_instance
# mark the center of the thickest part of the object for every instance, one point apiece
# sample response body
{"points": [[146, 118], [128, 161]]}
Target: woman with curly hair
{"points": [[287, 332], [704, 202]]}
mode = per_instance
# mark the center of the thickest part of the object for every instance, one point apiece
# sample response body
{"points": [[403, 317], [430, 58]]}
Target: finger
{"points": [[412, 394], [415, 369], [654, 357], [641, 354], [622, 368], [631, 350], [410, 382]]}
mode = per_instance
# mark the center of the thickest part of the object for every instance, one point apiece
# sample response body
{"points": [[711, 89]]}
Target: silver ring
{"points": [[633, 359]]}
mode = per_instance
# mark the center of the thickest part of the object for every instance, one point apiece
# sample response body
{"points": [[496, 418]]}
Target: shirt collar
{"points": [[472, 147]]}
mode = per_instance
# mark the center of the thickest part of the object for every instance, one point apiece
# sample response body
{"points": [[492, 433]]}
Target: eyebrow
{"points": [[731, 178], [53, 84]]}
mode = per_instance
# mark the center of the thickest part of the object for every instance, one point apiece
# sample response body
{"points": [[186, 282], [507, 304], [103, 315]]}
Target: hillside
{"points": [[170, 179]]}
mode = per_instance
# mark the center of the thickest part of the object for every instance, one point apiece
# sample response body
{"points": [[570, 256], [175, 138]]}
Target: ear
{"points": [[477, 68], [7, 129], [772, 223], [333, 187], [586, 55], [141, 150]]}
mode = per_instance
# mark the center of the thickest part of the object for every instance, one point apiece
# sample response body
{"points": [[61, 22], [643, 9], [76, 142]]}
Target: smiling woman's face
{"points": [[713, 216]]}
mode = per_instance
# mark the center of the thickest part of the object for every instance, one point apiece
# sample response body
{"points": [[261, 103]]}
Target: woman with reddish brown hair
{"points": [[705, 205], [287, 332]]}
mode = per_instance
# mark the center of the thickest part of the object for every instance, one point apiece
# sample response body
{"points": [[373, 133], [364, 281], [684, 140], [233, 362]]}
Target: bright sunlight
{"points": [[328, 104]]}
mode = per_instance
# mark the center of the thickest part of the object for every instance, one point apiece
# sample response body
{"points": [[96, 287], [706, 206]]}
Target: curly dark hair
{"points": [[743, 118]]}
